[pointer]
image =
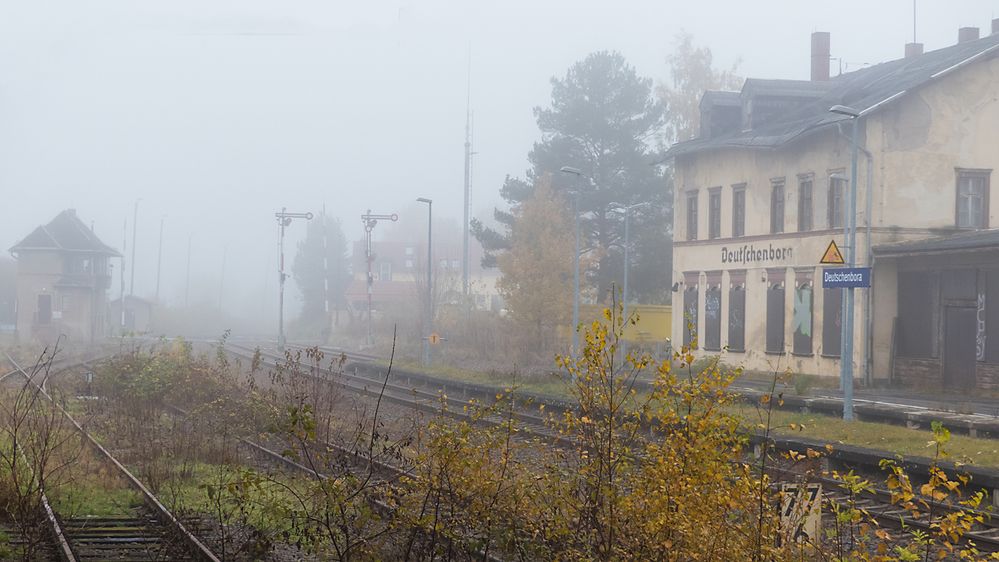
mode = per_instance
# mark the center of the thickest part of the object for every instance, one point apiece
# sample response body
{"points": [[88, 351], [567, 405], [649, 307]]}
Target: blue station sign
{"points": [[846, 277]]}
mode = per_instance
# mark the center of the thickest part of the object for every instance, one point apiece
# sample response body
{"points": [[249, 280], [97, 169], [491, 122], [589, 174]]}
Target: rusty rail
{"points": [[195, 546]]}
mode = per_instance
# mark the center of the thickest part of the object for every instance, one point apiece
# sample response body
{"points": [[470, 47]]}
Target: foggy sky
{"points": [[216, 114]]}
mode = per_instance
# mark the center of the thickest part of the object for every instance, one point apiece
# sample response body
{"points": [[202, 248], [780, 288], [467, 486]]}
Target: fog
{"points": [[214, 115]]}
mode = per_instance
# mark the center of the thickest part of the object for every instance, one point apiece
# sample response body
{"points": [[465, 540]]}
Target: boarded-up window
{"points": [[738, 210], [832, 322], [802, 323], [689, 313], [805, 204], [916, 328], [777, 206], [691, 215], [712, 317], [775, 317], [714, 212], [834, 204], [737, 315]]}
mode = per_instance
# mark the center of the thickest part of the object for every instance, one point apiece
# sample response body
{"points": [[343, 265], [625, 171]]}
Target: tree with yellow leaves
{"points": [[537, 269]]}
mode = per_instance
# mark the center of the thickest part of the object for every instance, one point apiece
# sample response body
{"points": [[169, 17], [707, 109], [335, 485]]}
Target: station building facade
{"points": [[761, 193]]}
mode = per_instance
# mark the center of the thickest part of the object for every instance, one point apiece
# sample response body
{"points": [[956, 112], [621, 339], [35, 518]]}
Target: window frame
{"points": [[692, 196], [806, 179], [834, 212], [714, 213], [739, 211], [777, 185], [972, 173]]}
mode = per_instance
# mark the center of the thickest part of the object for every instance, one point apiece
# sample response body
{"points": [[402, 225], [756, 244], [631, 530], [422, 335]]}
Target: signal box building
{"points": [[761, 193], [63, 276]]}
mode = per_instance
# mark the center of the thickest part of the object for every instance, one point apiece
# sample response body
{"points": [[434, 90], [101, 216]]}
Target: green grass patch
{"points": [[540, 384], [894, 439], [95, 498]]}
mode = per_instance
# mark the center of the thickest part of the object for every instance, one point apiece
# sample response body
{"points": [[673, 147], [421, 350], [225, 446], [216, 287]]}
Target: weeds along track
{"points": [[428, 393], [421, 397], [155, 534], [386, 471]]}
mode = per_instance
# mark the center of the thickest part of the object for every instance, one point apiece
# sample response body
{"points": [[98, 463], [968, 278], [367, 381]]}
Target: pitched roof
{"points": [[866, 90], [960, 241], [66, 233]]}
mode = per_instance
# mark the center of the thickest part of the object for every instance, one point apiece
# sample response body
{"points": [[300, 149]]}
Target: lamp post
{"points": [[850, 234], [575, 256], [284, 219], [429, 318]]}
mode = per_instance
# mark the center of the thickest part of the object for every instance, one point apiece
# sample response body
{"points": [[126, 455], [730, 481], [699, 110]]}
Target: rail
{"points": [[195, 546]]}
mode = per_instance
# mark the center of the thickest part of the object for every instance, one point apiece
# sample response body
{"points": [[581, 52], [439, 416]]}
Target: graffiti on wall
{"points": [[980, 328]]}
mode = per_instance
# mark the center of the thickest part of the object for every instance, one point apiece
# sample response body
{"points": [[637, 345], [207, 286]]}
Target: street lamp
{"points": [[284, 219], [428, 319], [850, 235], [575, 256]]}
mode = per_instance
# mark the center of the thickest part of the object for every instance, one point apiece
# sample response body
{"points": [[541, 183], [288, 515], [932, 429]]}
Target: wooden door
{"points": [[959, 348]]}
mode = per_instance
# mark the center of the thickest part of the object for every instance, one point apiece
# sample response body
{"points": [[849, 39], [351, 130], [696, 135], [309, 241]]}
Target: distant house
{"points": [[398, 271], [138, 314], [62, 280]]}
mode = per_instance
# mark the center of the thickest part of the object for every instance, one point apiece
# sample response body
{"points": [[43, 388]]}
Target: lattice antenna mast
{"points": [[468, 185]]}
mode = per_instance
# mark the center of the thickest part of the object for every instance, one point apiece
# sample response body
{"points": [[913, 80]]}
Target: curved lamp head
{"points": [[845, 110]]}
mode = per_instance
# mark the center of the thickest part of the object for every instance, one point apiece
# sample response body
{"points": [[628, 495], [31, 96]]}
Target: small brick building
{"points": [[63, 276]]}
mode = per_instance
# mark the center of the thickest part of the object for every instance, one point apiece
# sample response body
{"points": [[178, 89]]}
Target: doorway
{"points": [[44, 309], [959, 348]]}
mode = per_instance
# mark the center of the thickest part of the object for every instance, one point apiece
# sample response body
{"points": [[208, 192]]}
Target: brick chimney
{"points": [[967, 34], [820, 56], [913, 50]]}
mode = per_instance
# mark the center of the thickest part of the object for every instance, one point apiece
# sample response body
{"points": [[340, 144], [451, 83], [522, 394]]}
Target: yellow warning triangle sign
{"points": [[832, 256]]}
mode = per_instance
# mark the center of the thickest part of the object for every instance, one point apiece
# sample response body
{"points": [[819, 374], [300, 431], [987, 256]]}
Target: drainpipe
{"points": [[868, 204]]}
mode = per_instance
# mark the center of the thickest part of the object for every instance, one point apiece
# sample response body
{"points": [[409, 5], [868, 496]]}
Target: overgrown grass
{"points": [[892, 438]]}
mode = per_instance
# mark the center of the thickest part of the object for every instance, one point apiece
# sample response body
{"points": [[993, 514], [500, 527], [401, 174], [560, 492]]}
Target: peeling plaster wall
{"points": [[917, 141]]}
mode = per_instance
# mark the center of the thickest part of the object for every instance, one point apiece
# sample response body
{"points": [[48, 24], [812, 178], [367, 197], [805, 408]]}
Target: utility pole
{"points": [[284, 219], [135, 222], [328, 328], [225, 253], [575, 255], [370, 221], [121, 295], [429, 318], [159, 261], [187, 286]]}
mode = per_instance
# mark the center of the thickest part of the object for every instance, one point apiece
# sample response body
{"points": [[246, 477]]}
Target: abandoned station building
{"points": [[760, 194], [63, 276]]}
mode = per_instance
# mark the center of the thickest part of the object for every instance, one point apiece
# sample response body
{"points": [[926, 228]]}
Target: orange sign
{"points": [[832, 256], [434, 338]]}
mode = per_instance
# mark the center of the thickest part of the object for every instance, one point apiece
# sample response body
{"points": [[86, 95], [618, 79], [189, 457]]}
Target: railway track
{"points": [[425, 399], [154, 534], [876, 501]]}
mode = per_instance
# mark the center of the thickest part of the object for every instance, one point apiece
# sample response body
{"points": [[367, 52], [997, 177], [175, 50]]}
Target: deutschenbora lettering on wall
{"points": [[751, 254]]}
